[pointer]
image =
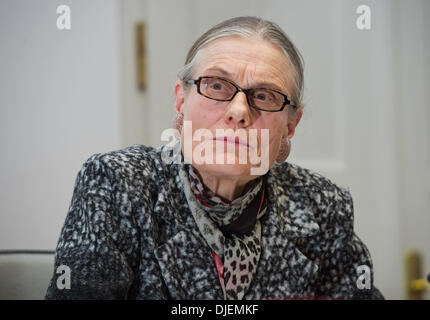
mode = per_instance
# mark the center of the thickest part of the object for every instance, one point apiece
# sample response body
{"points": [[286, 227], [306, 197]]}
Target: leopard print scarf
{"points": [[232, 231]]}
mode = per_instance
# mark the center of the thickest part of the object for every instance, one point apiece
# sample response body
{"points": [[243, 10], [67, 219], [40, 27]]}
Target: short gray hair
{"points": [[248, 27]]}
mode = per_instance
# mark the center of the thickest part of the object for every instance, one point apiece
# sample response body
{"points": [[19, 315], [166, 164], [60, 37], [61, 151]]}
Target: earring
{"points": [[178, 122], [284, 151]]}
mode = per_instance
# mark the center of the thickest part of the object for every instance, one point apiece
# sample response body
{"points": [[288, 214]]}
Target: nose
{"points": [[238, 112]]}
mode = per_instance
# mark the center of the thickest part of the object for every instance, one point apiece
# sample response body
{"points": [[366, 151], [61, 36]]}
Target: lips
{"points": [[235, 140]]}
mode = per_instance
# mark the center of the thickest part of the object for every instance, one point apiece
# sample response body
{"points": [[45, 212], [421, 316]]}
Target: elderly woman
{"points": [[231, 219]]}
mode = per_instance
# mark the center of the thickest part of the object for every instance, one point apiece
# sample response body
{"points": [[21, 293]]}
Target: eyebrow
{"points": [[222, 71], [227, 74]]}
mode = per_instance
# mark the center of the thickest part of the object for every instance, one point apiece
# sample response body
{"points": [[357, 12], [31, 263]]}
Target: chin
{"points": [[232, 170], [222, 168], [227, 164]]}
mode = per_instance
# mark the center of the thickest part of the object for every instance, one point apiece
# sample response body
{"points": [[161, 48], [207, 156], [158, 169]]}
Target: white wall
{"points": [[135, 103], [412, 65], [59, 104]]}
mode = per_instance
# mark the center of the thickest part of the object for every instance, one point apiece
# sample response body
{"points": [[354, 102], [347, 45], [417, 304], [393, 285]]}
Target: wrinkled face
{"points": [[249, 63]]}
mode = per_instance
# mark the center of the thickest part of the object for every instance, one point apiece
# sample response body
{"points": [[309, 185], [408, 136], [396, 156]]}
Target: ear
{"points": [[292, 124], [179, 96]]}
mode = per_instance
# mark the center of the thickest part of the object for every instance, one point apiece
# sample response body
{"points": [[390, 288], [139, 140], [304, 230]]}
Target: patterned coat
{"points": [[129, 234]]}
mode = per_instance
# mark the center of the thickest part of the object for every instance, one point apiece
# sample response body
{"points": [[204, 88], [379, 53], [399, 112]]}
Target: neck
{"points": [[227, 188]]}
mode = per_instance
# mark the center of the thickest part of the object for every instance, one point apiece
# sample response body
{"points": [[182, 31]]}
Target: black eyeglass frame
{"points": [[197, 82]]}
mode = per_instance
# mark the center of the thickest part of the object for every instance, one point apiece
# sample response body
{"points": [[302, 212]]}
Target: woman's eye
{"points": [[264, 96], [217, 86], [261, 96]]}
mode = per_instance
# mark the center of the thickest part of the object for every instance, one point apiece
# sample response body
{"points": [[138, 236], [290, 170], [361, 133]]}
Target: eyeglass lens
{"points": [[219, 89]]}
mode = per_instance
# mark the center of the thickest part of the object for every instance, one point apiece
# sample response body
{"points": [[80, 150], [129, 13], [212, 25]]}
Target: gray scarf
{"points": [[236, 251]]}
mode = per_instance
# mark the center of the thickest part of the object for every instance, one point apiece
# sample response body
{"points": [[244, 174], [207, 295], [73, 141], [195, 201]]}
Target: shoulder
{"points": [[294, 175], [290, 175], [324, 199], [124, 177], [133, 162], [121, 187]]}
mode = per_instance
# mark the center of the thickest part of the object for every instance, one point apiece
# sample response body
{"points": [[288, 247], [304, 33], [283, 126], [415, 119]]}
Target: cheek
{"points": [[275, 141], [275, 133], [274, 144], [200, 114]]}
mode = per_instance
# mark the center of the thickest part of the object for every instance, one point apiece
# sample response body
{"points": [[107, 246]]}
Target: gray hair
{"points": [[248, 27]]}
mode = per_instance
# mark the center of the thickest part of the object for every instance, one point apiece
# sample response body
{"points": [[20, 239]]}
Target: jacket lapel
{"points": [[283, 271], [187, 268], [185, 260]]}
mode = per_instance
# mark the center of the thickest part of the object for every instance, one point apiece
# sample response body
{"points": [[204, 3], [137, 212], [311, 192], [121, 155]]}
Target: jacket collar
{"points": [[294, 216], [284, 271]]}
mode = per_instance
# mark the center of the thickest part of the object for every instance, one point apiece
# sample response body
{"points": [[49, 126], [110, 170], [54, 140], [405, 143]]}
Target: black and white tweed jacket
{"points": [[129, 234]]}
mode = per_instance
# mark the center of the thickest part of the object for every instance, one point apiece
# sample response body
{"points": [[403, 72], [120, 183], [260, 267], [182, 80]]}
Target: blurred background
{"points": [[105, 84]]}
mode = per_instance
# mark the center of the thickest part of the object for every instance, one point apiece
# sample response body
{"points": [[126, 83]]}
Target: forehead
{"points": [[249, 62]]}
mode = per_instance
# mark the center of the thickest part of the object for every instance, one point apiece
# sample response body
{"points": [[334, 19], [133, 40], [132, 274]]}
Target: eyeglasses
{"points": [[221, 89]]}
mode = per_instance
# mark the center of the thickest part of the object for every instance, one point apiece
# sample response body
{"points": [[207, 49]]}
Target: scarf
{"points": [[232, 231]]}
